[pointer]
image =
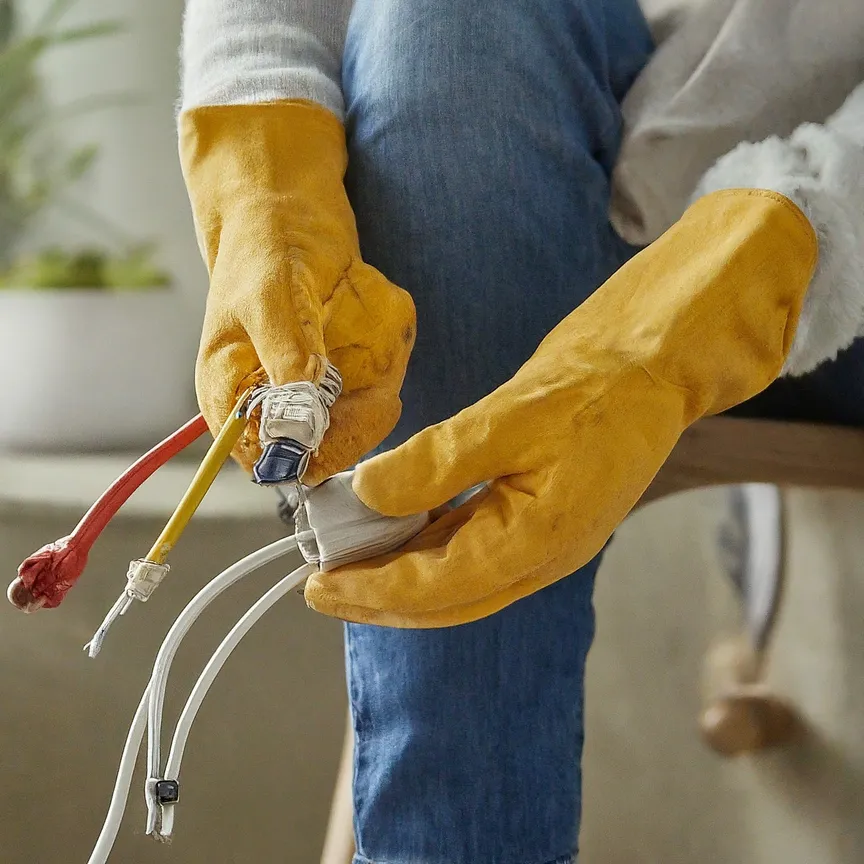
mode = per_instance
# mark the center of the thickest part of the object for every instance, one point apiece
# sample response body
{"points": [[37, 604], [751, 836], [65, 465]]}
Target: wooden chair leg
{"points": [[742, 715], [339, 840]]}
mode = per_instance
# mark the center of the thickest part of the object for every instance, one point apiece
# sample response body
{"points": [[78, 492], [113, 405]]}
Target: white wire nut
{"points": [[143, 578], [334, 527], [296, 412]]}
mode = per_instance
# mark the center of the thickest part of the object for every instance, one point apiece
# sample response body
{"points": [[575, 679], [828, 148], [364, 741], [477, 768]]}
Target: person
{"points": [[478, 140]]}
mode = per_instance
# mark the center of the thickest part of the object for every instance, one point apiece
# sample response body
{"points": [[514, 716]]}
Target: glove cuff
{"points": [[280, 162]]}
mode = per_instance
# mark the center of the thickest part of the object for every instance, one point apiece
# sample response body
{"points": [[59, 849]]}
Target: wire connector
{"points": [[166, 791], [294, 419], [159, 793], [334, 527], [144, 577]]}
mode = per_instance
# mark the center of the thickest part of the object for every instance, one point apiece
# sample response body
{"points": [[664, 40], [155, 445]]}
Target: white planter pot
{"points": [[94, 369]]}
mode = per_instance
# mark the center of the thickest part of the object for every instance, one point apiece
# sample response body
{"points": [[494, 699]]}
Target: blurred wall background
{"points": [[136, 182]]}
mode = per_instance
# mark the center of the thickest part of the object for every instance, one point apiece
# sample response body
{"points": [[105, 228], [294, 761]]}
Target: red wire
{"points": [[49, 573]]}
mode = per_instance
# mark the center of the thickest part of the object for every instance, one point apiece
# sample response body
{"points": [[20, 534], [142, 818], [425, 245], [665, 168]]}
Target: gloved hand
{"points": [[288, 287], [699, 321]]}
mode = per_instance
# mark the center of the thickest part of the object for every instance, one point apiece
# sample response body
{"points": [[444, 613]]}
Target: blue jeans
{"points": [[482, 136]]}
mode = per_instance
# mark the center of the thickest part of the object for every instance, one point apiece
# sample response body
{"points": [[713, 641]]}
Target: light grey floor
{"points": [[263, 754]]}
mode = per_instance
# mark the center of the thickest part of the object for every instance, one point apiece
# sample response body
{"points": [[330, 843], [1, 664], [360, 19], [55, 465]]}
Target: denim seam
{"points": [[357, 758], [360, 859]]}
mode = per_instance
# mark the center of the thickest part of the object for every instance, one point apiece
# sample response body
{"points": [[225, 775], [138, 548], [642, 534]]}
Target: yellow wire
{"points": [[212, 462]]}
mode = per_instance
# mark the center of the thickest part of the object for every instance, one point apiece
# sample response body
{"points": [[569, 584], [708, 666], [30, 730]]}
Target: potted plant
{"points": [[92, 350]]}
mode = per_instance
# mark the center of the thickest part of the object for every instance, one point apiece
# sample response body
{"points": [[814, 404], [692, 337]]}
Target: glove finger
{"points": [[482, 443], [364, 415], [284, 320], [468, 564], [370, 325], [359, 421], [224, 369]]}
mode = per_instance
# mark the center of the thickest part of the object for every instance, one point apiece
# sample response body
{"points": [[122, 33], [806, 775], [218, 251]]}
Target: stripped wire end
{"points": [[142, 579]]}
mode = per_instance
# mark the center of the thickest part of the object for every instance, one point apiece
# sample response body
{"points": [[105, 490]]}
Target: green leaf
{"points": [[91, 31], [17, 59], [84, 268], [14, 134], [80, 161], [54, 13], [12, 137], [32, 172]]}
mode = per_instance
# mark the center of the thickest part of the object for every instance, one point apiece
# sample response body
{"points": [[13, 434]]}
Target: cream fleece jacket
{"points": [[757, 93]]}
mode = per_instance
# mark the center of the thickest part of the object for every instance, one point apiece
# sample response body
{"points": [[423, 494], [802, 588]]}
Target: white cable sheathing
{"points": [[181, 627], [152, 700], [122, 784], [333, 528], [211, 670]]}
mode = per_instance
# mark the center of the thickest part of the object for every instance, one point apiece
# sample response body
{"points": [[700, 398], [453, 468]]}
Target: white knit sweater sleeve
{"points": [[247, 51]]}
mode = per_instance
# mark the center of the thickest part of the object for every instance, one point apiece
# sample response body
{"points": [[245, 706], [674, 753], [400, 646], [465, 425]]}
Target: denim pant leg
{"points": [[481, 140]]}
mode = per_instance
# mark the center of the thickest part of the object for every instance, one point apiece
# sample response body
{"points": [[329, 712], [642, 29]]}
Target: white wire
{"points": [[120, 607], [110, 829], [208, 675], [162, 666], [181, 626]]}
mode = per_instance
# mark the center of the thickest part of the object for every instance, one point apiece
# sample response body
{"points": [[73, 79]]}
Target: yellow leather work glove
{"points": [[288, 287], [694, 324]]}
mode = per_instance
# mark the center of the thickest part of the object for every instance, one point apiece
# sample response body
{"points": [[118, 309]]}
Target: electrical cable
{"points": [[47, 575], [165, 657], [181, 626], [208, 675], [146, 573], [217, 455]]}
